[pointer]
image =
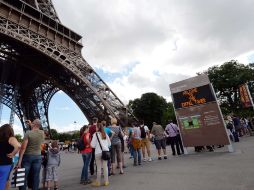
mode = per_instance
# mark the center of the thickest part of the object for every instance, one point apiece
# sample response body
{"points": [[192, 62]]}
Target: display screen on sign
{"points": [[194, 96]]}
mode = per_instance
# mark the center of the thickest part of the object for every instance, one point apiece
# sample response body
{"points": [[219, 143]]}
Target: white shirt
{"points": [[172, 130], [105, 143]]}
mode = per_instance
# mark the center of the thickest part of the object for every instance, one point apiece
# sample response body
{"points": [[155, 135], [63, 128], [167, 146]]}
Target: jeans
{"points": [[86, 160], [32, 163], [137, 155], [131, 150], [4, 173]]}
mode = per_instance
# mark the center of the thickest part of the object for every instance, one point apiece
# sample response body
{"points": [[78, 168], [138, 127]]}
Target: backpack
{"points": [[81, 143], [143, 132]]}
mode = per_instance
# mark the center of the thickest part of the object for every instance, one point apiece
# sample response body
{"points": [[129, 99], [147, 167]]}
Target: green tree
{"points": [[76, 135], [150, 107], [168, 114], [226, 80], [54, 134], [19, 138], [65, 137]]}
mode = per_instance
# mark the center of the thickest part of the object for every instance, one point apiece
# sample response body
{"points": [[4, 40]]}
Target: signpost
{"points": [[198, 114]]}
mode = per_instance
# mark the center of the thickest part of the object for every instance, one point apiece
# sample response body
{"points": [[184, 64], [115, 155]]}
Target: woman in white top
{"points": [[105, 143]]}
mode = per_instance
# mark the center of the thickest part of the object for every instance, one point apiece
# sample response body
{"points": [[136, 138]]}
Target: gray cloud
{"points": [[117, 33]]}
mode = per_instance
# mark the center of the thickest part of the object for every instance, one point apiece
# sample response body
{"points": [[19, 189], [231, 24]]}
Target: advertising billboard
{"points": [[245, 96], [197, 112]]}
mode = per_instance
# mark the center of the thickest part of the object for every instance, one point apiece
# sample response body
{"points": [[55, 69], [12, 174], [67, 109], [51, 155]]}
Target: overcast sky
{"points": [[140, 46]]}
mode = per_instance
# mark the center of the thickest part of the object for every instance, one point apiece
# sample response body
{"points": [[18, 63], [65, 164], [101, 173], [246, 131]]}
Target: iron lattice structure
{"points": [[39, 56]]}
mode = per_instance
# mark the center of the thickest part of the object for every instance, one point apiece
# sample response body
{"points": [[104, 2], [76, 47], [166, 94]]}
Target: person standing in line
{"points": [[53, 163], [92, 130], [100, 142], [116, 146], [131, 150], [172, 131], [237, 126], [9, 146], [136, 143], [145, 142], [30, 154], [86, 155], [110, 133], [159, 139]]}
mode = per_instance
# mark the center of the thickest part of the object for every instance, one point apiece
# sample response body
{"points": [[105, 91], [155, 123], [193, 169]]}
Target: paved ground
{"points": [[217, 170]]}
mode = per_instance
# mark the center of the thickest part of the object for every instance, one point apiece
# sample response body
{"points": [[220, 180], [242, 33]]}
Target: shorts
{"points": [[160, 144], [51, 174]]}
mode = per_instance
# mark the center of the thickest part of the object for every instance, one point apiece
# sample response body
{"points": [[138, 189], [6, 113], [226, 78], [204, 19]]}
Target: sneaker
{"points": [[88, 181], [150, 160], [106, 183], [144, 160], [96, 184], [165, 157], [159, 158]]}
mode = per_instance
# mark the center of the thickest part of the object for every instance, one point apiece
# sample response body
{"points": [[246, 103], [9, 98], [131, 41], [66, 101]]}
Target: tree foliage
{"points": [[226, 80], [63, 137], [151, 108], [54, 134], [19, 138], [168, 114]]}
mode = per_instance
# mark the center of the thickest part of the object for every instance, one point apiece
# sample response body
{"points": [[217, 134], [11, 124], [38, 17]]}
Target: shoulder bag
{"points": [[105, 154]]}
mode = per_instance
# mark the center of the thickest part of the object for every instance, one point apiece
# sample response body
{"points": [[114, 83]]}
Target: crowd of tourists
{"points": [[102, 147]]}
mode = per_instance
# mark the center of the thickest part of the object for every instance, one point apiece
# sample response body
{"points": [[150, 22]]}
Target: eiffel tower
{"points": [[40, 56]]}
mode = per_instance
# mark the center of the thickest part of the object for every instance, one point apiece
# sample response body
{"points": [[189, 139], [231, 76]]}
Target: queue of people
{"points": [[102, 152], [98, 138]]}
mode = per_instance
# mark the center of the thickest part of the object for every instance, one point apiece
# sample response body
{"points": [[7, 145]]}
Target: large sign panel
{"points": [[198, 114]]}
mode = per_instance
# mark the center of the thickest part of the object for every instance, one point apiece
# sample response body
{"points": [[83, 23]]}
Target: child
{"points": [[52, 165]]}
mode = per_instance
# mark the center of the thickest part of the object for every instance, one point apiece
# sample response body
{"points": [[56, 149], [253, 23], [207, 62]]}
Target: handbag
{"points": [[18, 178], [105, 153]]}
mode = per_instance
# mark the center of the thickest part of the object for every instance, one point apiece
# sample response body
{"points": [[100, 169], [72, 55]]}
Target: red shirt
{"points": [[92, 129], [88, 148]]}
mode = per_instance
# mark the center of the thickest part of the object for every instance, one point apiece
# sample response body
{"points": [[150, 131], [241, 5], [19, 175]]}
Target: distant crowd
{"points": [[102, 147]]}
